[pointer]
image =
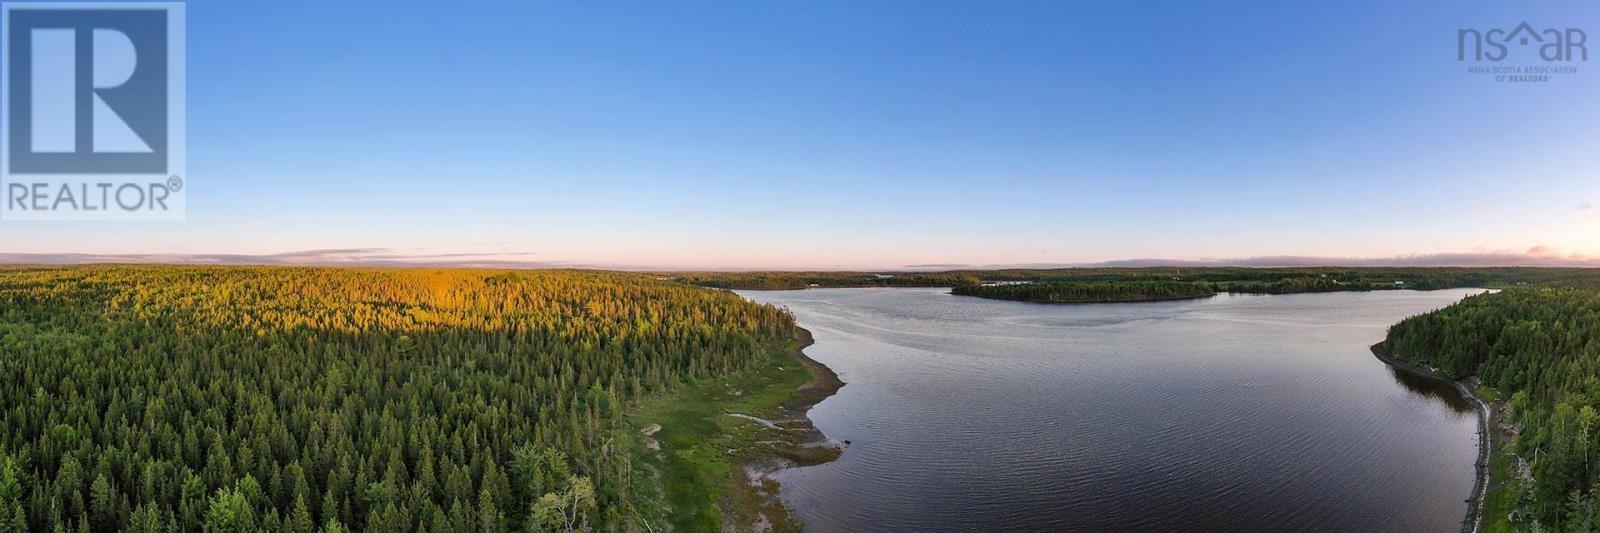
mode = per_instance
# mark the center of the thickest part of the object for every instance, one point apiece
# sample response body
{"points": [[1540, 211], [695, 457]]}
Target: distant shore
{"points": [[1094, 301], [1473, 522]]}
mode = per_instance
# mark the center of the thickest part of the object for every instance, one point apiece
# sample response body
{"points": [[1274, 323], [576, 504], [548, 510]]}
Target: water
{"points": [[1262, 413]]}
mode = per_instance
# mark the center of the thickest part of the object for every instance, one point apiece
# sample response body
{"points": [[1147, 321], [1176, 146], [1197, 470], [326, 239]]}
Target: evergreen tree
{"points": [[103, 503], [230, 512], [300, 520], [12, 516], [490, 520]]}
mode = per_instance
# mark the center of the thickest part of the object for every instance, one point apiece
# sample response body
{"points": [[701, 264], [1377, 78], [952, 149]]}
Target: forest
{"points": [[1089, 291], [802, 280], [168, 398], [1540, 348], [186, 398], [1224, 279]]}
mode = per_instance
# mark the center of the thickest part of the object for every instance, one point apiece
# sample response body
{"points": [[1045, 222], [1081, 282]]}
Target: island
{"points": [[1090, 291]]}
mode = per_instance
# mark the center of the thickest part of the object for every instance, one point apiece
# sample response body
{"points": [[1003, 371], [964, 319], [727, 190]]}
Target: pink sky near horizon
{"points": [[1538, 256], [755, 136]]}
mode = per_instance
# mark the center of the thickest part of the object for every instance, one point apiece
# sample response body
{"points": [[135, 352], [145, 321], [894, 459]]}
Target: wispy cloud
{"points": [[1537, 256], [1587, 213], [328, 257]]}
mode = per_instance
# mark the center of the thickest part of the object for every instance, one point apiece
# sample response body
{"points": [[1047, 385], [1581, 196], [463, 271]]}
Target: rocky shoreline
{"points": [[1487, 414], [802, 443]]}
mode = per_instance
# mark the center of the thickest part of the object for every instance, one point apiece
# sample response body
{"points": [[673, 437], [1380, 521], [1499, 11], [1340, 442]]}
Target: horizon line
{"points": [[1536, 257]]}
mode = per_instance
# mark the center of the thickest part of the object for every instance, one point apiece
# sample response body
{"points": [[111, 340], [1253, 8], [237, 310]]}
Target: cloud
{"points": [[1543, 251], [1536, 256], [1587, 213], [320, 257], [329, 252]]}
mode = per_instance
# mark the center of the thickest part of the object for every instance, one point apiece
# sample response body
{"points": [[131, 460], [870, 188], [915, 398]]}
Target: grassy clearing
{"points": [[696, 480]]}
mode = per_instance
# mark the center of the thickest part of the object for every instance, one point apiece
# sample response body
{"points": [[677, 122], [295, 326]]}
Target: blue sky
{"points": [[868, 134]]}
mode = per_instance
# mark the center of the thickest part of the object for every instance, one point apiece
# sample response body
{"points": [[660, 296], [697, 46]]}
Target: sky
{"points": [[867, 135]]}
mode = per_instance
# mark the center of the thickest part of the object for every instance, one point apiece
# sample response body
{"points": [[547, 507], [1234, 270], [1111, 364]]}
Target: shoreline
{"points": [[1473, 522], [707, 448], [806, 445]]}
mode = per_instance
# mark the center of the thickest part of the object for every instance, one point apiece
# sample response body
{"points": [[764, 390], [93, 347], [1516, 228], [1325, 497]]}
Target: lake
{"points": [[1238, 412]]}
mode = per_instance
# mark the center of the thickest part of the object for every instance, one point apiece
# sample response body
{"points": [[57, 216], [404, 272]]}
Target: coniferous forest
{"points": [[298, 399], [174, 398], [1090, 291], [1539, 349]]}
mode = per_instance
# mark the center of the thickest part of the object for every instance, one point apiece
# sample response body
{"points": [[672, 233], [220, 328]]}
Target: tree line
{"points": [[1542, 347], [1090, 291], [1234, 279]]}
